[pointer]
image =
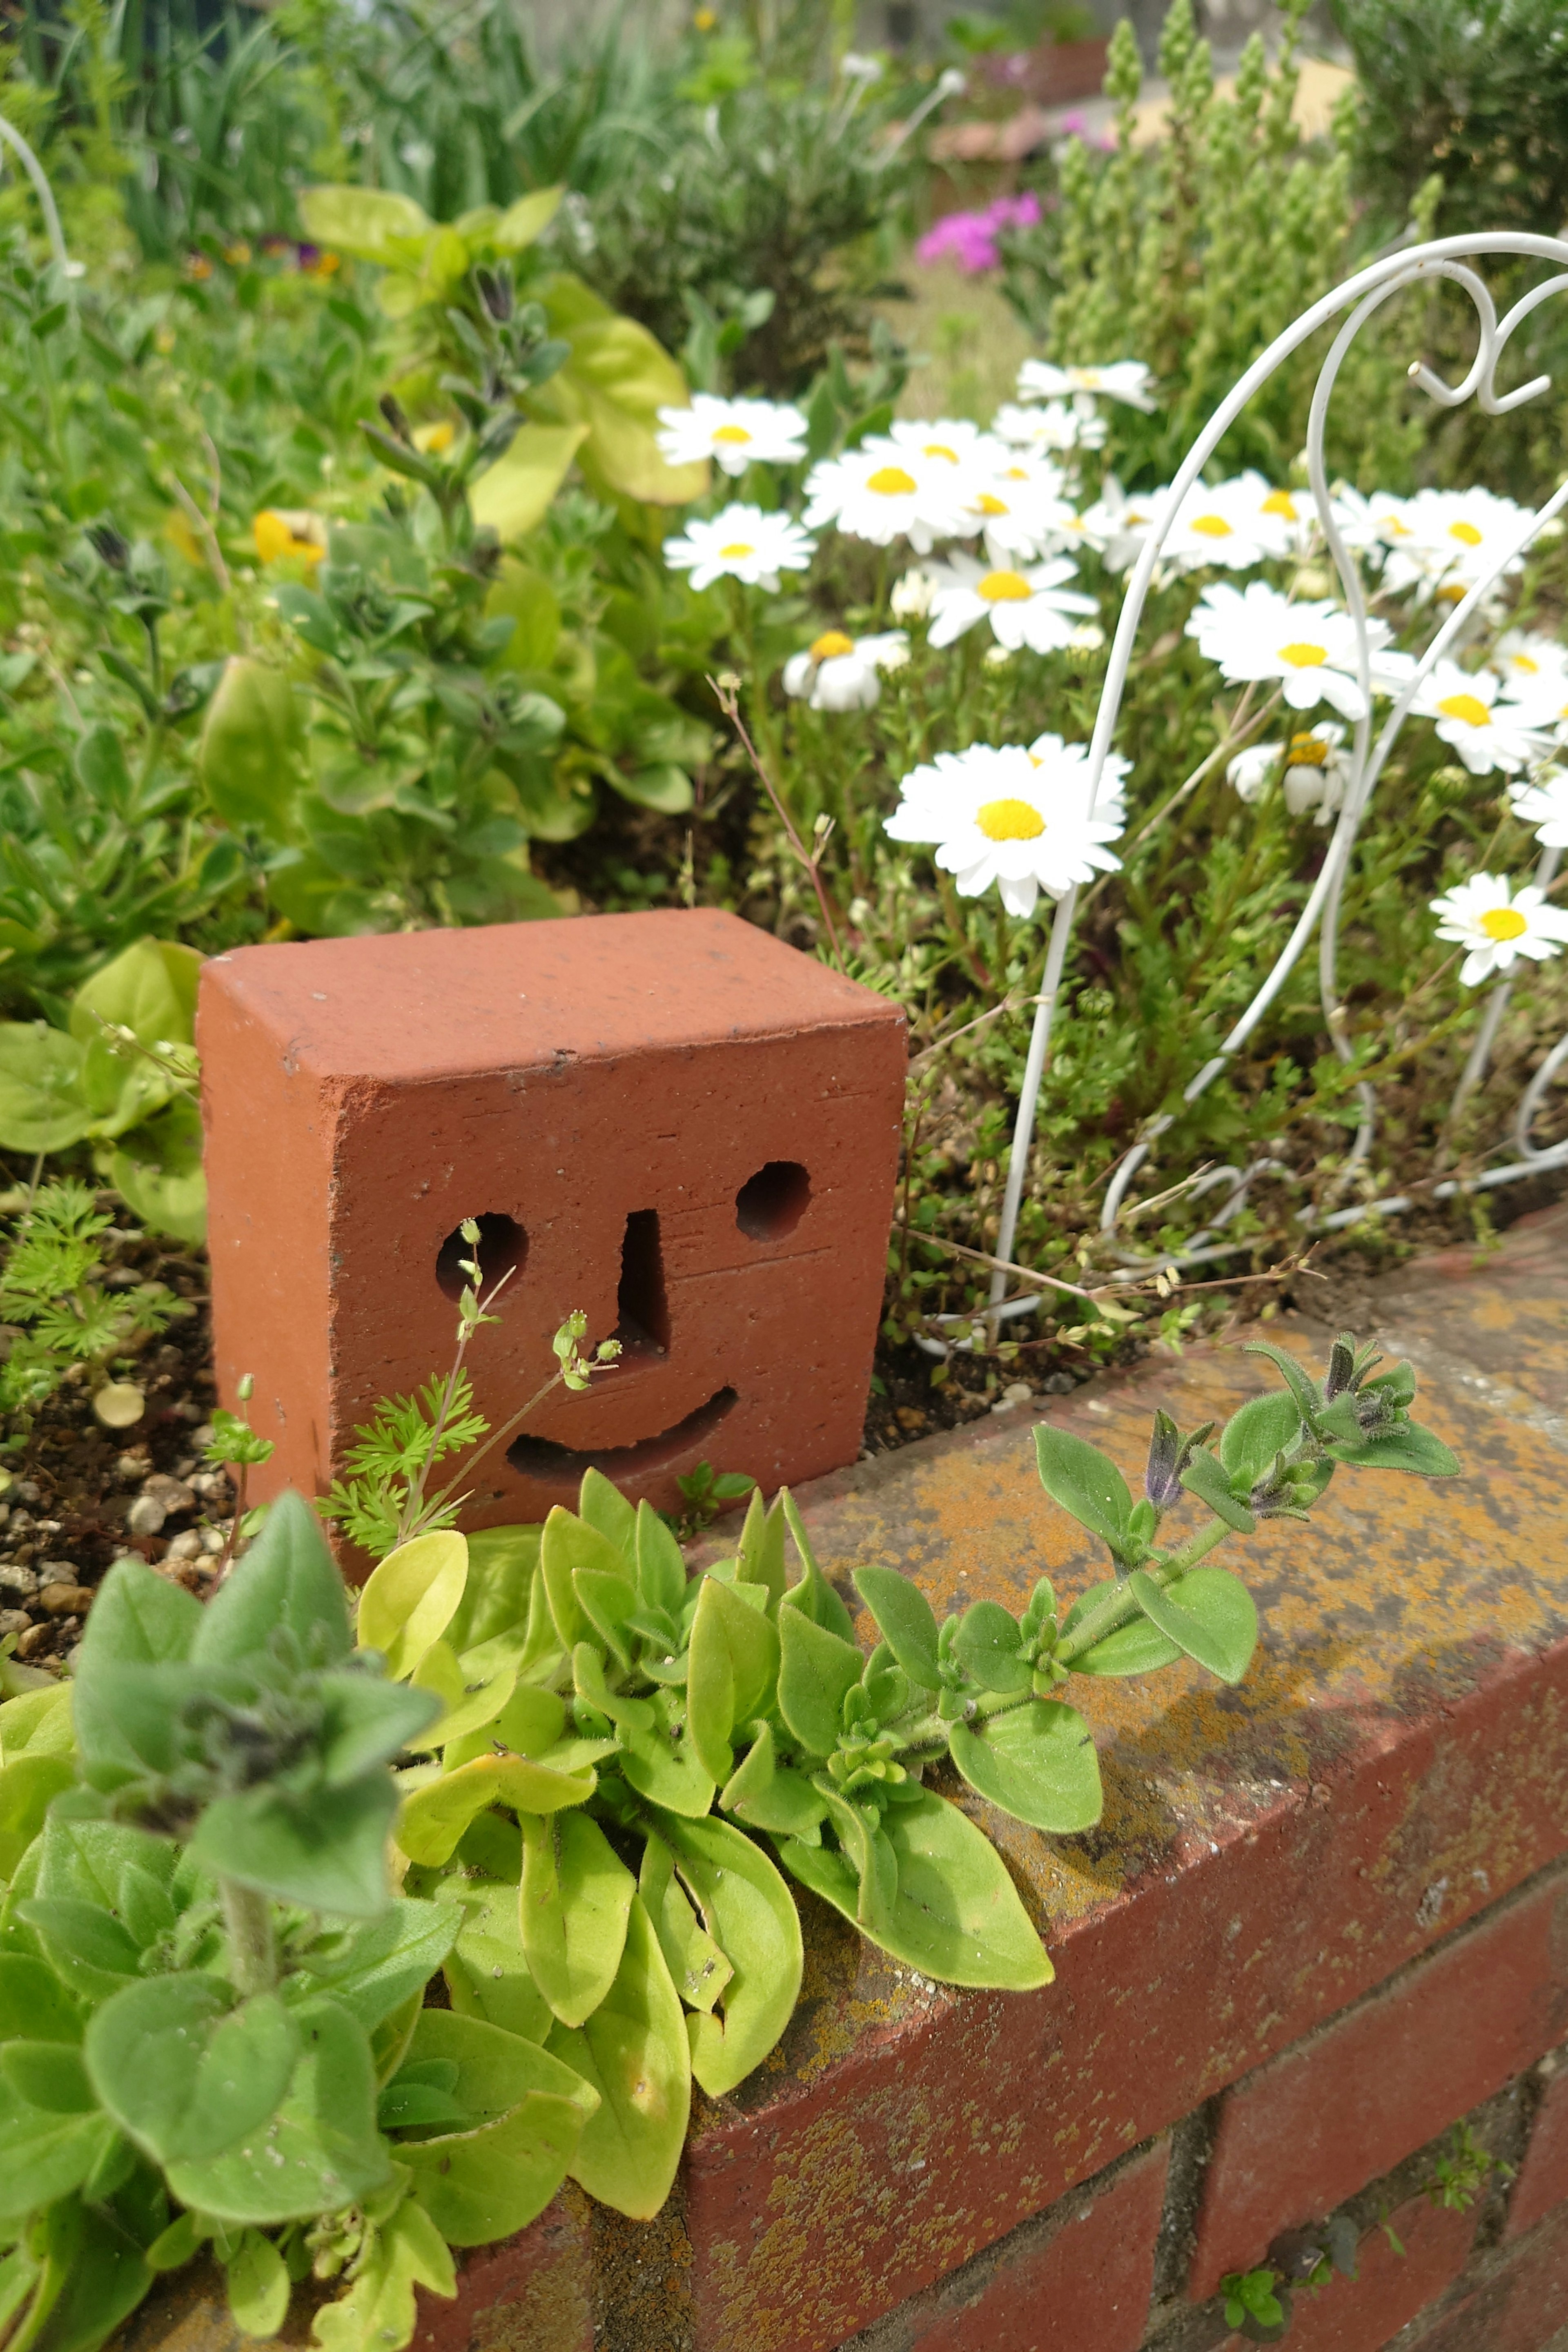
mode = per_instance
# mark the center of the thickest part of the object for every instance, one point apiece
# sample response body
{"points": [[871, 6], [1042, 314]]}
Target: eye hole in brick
{"points": [[642, 1310], [772, 1203], [503, 1249]]}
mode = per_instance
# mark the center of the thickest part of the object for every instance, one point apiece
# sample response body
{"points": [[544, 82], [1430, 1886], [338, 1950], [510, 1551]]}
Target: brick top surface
{"points": [[431, 1005]]}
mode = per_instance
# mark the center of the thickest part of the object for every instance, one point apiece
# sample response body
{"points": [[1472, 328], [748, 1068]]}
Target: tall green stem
{"points": [[252, 1949]]}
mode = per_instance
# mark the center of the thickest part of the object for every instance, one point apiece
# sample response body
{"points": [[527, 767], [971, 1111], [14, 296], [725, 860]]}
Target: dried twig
{"points": [[723, 690]]}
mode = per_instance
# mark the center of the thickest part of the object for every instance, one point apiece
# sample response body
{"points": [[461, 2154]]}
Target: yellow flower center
{"points": [[735, 433], [986, 505], [1213, 526], [1004, 588], [1501, 923], [830, 644], [1470, 537], [1280, 502], [1009, 821], [891, 482], [1088, 378], [940, 450], [1306, 751], [1394, 527], [738, 547], [1016, 474], [1469, 708], [1301, 655], [1522, 661]]}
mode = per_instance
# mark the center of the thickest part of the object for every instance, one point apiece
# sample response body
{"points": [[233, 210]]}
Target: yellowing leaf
{"points": [[361, 221], [527, 219], [411, 1599], [513, 495], [632, 2051], [434, 1817]]}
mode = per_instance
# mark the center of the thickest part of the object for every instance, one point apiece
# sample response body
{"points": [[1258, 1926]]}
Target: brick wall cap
{"points": [[516, 996]]}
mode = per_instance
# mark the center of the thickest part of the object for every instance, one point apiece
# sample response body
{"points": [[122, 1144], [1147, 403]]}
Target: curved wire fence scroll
{"points": [[1360, 297]]}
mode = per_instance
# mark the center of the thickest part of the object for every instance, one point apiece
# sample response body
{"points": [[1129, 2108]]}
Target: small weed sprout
{"points": [[53, 1287]]}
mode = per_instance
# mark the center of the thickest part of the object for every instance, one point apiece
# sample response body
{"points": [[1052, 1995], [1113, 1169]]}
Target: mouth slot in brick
{"points": [[502, 1249], [563, 1465], [771, 1203], [642, 1308]]}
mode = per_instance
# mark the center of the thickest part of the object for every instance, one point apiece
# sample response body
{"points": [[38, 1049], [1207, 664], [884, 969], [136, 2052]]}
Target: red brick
{"points": [[1523, 2305], [1315, 2125], [1542, 2180], [1363, 2313], [527, 2294], [1079, 2278], [611, 1086]]}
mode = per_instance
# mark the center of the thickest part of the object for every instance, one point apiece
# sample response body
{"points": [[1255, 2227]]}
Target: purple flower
{"points": [[971, 237]]}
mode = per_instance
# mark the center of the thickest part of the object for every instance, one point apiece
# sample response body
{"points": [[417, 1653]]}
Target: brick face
{"points": [[1363, 2313], [527, 2294], [1521, 2307], [1083, 2279], [1542, 2181], [1314, 2126]]}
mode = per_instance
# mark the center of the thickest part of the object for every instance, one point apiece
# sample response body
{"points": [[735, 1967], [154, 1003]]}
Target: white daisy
{"points": [[1485, 733], [910, 599], [1532, 666], [885, 491], [1495, 927], [996, 815], [1456, 539], [1020, 506], [1316, 769], [1310, 647], [1118, 524], [1236, 523], [1126, 379], [734, 433], [1025, 608], [1543, 803], [841, 673], [1067, 766], [1057, 425], [742, 543], [947, 440], [1370, 526]]}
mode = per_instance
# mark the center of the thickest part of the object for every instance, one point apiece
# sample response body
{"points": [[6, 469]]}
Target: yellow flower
{"points": [[289, 532], [236, 255], [164, 339], [325, 265], [197, 265], [703, 20], [434, 438]]}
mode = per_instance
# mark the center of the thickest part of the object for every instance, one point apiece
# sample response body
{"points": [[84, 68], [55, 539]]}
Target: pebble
{"points": [[14, 1578], [145, 1517], [14, 1620], [33, 1639], [212, 1486], [1016, 1393], [64, 1600], [1058, 1384], [132, 1468], [28, 1490], [215, 1538], [172, 1493], [188, 1546]]}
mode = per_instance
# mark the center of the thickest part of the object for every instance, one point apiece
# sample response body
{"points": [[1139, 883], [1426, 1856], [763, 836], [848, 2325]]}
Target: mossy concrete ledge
{"points": [[1325, 1916]]}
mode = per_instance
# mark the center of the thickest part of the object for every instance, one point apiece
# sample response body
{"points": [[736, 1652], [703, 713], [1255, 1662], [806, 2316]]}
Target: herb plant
{"points": [[52, 1289]]}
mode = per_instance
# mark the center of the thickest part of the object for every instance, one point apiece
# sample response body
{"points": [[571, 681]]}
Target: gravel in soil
{"points": [[82, 1495]]}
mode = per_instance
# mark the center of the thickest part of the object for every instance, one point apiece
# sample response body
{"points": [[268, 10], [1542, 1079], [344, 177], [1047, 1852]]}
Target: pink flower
{"points": [[971, 237]]}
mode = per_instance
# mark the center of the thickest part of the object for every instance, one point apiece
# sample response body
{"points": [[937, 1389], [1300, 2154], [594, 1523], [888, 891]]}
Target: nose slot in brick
{"points": [[502, 1249], [642, 1309], [563, 1465], [771, 1203]]}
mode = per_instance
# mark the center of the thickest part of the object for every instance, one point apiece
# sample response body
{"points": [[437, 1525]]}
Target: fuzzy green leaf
{"points": [[990, 1647], [749, 1913], [527, 2110], [287, 1578], [1209, 1613], [1205, 1478], [633, 2053], [258, 2282], [183, 2069], [576, 1895], [1257, 1433], [1085, 1482], [1407, 1447], [1037, 1762]]}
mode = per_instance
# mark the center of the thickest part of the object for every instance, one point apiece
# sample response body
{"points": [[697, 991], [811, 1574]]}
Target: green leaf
{"points": [[606, 1599], [813, 1597], [599, 1500], [48, 2075], [526, 219], [956, 1914], [576, 1895], [1301, 1383], [27, 1788], [94, 2274], [157, 1170], [661, 1568], [526, 2109], [321, 2150], [434, 1817], [84, 1942], [470, 1701], [34, 2002], [325, 1850], [567, 1545], [633, 2053], [503, 1565], [379, 2310], [904, 1619], [1205, 1478], [768, 1795], [371, 223], [696, 1966], [511, 497], [616, 381], [370, 1968], [1257, 1433], [43, 2155], [1085, 1482], [287, 1578], [259, 2286], [42, 1105], [249, 756], [733, 1670], [151, 990], [761, 1552], [1037, 1762], [1138, 1648], [665, 1767], [990, 1647], [1407, 1447], [487, 1973], [183, 2069], [411, 1599], [818, 1670], [749, 1914], [1208, 1612]]}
